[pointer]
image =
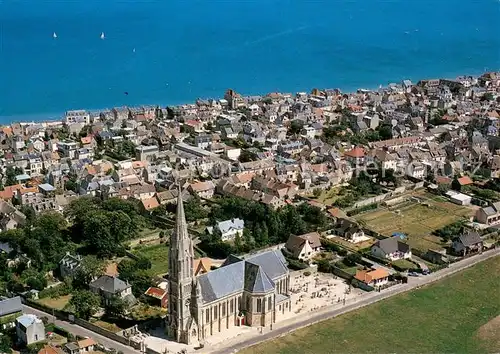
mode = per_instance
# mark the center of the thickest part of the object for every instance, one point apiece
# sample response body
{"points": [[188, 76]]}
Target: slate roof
{"points": [[391, 245], [273, 263], [255, 273], [470, 238], [10, 306], [222, 282], [109, 284], [27, 320], [256, 280]]}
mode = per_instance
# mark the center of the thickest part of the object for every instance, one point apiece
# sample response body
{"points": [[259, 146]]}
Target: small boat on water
{"points": [[54, 35], [102, 35]]}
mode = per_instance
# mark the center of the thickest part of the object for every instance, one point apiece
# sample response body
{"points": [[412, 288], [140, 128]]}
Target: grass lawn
{"points": [[327, 197], [459, 314], [108, 326], [158, 255], [418, 221], [405, 264], [55, 303]]}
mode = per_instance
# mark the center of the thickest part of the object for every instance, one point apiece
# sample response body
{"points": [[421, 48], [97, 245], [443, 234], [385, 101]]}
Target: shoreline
{"points": [[38, 118]]}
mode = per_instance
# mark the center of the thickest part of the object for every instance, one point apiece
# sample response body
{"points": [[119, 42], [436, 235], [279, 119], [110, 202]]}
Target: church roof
{"points": [[255, 273], [256, 280], [222, 282], [272, 262]]}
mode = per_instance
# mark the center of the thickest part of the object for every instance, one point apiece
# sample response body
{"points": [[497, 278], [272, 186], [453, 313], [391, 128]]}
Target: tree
{"points": [[115, 307], [10, 175], [455, 184], [85, 303], [296, 126], [316, 192], [90, 269], [352, 259], [488, 96], [247, 156]]}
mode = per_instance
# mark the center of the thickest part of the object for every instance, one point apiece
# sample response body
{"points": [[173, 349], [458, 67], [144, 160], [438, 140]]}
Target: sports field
{"points": [[417, 220], [459, 314]]}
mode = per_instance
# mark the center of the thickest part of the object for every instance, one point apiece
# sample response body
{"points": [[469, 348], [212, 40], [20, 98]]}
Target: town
{"points": [[196, 227]]}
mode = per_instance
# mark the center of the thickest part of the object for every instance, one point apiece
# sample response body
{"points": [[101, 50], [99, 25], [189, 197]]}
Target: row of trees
{"points": [[263, 225]]}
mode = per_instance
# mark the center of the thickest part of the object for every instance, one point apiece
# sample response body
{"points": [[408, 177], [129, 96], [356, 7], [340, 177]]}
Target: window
{"points": [[263, 305], [231, 306], [208, 315], [259, 305], [269, 303], [215, 312], [223, 310], [239, 303]]}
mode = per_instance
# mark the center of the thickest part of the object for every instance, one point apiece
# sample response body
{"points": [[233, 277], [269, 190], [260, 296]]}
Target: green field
{"points": [[158, 255], [459, 314], [418, 221]]}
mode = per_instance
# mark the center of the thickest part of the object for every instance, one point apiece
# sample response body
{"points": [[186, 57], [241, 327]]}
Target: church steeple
{"points": [[180, 277]]}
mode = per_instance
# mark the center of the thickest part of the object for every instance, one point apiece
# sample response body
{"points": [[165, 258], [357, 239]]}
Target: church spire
{"points": [[181, 243], [180, 277]]}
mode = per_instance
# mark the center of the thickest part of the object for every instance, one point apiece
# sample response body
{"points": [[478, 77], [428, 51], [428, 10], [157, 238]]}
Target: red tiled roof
{"points": [[156, 292], [465, 180], [356, 152]]}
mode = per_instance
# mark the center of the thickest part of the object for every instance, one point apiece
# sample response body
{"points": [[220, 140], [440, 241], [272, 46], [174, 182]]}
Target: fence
{"points": [[66, 316], [359, 284]]}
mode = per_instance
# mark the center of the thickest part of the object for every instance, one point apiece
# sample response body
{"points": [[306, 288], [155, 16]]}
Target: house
{"points": [[489, 215], [108, 287], [69, 264], [466, 243], [374, 278], [350, 230], [86, 345], [304, 247], [229, 229], [146, 153], [355, 156], [29, 329], [10, 309], [50, 349], [203, 189], [72, 348], [10, 217], [391, 248], [157, 297]]}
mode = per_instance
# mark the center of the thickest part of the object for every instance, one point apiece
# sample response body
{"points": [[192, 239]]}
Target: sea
{"points": [[166, 52]]}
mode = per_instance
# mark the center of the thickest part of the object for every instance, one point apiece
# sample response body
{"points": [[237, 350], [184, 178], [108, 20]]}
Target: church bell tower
{"points": [[180, 279]]}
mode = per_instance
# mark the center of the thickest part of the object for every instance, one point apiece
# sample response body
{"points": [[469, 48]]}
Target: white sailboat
{"points": [[54, 35], [102, 35]]}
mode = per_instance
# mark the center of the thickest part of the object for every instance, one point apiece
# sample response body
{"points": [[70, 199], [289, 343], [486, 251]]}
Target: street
{"points": [[280, 329], [83, 332], [413, 282]]}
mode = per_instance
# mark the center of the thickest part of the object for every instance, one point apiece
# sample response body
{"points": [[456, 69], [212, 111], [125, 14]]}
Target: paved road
{"points": [[83, 332], [413, 282]]}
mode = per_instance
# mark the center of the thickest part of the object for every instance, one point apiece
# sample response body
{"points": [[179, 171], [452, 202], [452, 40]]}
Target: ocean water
{"points": [[174, 51]]}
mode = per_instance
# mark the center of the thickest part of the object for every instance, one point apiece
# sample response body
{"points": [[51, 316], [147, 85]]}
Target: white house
{"points": [[304, 247], [228, 229], [391, 249], [29, 329]]}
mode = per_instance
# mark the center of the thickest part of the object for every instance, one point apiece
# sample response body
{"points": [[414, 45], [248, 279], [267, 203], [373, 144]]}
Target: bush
{"points": [[295, 264], [342, 252], [362, 209]]}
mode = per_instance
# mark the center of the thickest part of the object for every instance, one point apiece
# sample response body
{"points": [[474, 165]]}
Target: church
{"points": [[244, 291]]}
